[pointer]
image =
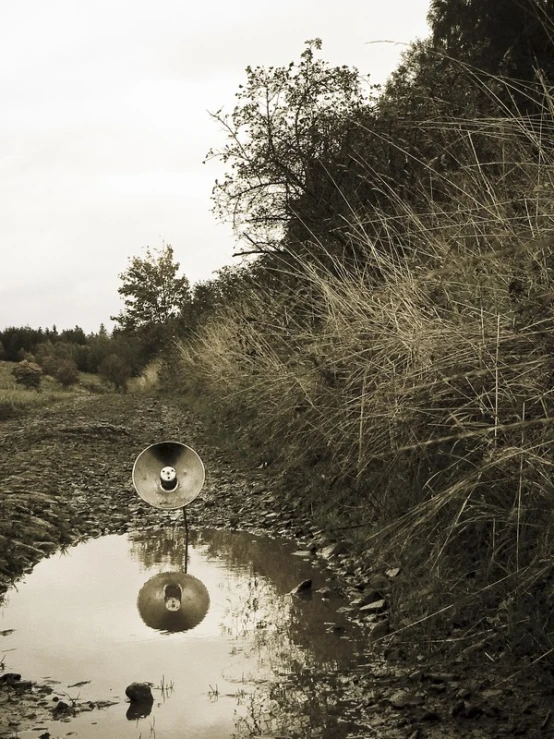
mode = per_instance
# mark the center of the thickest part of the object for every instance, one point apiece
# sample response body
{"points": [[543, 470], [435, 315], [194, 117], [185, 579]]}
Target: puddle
{"points": [[212, 626]]}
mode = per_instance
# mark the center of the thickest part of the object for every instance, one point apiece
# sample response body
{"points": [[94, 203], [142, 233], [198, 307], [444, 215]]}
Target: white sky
{"points": [[104, 127]]}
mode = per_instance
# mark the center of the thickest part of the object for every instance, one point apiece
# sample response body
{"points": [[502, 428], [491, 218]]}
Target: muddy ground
{"points": [[65, 476]]}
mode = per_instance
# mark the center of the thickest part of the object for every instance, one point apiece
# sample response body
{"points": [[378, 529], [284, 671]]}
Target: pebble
{"points": [[380, 630], [441, 677], [403, 698], [370, 597], [303, 588], [332, 550], [377, 606], [139, 693]]}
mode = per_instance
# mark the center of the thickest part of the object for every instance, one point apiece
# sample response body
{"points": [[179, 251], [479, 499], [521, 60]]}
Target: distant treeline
{"points": [[88, 351]]}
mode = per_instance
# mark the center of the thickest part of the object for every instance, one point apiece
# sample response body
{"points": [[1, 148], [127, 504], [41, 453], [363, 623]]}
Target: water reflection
{"points": [[137, 711], [166, 546], [242, 655], [173, 601], [261, 608], [169, 601]]}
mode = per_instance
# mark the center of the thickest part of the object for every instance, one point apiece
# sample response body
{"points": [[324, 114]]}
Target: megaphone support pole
{"points": [[186, 538], [185, 521]]}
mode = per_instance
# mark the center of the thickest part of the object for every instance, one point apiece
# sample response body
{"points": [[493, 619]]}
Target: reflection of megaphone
{"points": [[168, 475], [173, 601]]}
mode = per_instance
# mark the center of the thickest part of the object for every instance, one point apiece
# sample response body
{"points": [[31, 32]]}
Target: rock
{"points": [[377, 606], [370, 597], [23, 685], [395, 654], [441, 677], [465, 709], [491, 711], [491, 694], [380, 630], [463, 693], [139, 693], [326, 592], [403, 698], [472, 711], [9, 678], [304, 588], [379, 582], [393, 572], [332, 550], [431, 717], [138, 710]]}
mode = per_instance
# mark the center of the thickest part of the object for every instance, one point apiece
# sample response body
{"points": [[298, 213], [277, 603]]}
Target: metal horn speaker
{"points": [[173, 601], [168, 475]]}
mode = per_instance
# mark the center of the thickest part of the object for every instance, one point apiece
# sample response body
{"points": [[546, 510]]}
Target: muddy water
{"points": [[211, 625]]}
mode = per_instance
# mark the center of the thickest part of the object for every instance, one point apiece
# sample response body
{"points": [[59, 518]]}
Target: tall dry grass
{"points": [[422, 379]]}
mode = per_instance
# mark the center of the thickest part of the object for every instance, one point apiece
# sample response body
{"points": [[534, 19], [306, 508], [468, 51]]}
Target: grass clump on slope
{"points": [[415, 384]]}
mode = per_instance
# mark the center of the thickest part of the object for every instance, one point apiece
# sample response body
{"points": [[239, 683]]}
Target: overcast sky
{"points": [[104, 126]]}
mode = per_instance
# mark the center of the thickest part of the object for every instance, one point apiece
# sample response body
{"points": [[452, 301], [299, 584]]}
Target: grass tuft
{"points": [[414, 386]]}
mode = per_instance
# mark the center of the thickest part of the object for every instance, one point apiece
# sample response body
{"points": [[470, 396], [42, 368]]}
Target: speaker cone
{"points": [[168, 475], [173, 601]]}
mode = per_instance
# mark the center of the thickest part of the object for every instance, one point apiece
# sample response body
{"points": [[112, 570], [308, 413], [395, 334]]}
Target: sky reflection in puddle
{"points": [[243, 663]]}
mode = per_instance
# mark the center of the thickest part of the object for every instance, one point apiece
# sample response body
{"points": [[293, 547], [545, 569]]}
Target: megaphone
{"points": [[173, 601], [168, 475]]}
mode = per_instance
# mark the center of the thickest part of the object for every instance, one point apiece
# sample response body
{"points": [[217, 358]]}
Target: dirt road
{"points": [[65, 475]]}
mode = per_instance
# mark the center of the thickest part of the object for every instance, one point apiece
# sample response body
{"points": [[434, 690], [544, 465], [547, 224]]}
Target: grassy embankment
{"points": [[16, 400], [413, 411]]}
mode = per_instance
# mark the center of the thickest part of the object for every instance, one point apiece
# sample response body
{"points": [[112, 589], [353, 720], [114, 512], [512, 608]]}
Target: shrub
{"points": [[66, 372], [45, 358], [115, 370], [93, 387], [28, 374], [23, 354], [49, 365]]}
